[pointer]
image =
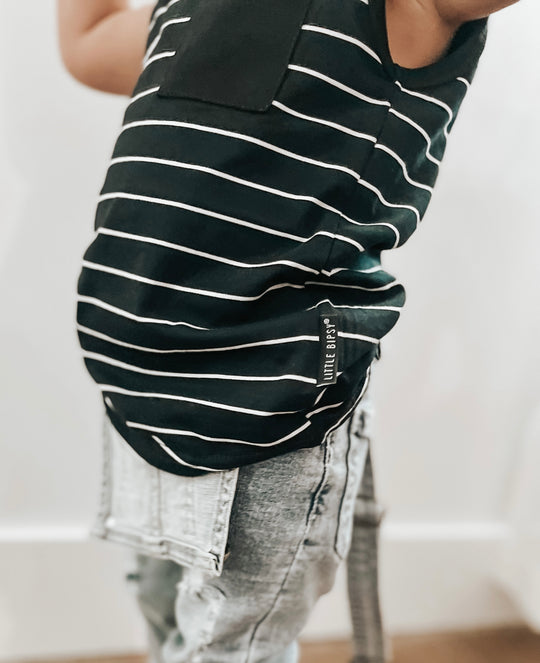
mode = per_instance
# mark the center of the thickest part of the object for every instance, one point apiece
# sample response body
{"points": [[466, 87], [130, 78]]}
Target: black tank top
{"points": [[232, 300]]}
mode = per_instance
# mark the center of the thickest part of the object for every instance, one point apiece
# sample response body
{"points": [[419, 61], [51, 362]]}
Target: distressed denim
{"points": [[228, 566]]}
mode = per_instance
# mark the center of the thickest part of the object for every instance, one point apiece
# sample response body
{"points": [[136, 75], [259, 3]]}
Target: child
{"points": [[310, 130]]}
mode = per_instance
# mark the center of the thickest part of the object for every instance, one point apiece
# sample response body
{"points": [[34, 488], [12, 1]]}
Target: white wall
{"points": [[462, 365], [457, 383]]}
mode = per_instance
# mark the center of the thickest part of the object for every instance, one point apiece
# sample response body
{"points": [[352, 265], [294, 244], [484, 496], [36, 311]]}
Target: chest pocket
{"points": [[235, 52]]}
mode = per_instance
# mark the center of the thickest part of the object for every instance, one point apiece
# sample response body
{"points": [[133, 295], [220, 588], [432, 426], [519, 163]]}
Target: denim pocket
{"points": [[235, 53]]}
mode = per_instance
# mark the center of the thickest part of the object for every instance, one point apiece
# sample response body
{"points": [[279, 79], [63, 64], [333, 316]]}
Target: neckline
{"points": [[462, 54]]}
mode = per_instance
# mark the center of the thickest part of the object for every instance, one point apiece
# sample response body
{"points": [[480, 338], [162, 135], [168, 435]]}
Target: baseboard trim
{"points": [[56, 581]]}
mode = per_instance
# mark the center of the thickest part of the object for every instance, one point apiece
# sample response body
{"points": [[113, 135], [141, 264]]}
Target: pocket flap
{"points": [[236, 53]]}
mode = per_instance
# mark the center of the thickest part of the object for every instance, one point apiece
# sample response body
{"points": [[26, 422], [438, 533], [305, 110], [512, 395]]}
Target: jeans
{"points": [[228, 566]]}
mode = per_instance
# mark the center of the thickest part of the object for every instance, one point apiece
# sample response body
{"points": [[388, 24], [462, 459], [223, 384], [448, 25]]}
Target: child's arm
{"points": [[460, 11], [420, 31], [102, 42]]}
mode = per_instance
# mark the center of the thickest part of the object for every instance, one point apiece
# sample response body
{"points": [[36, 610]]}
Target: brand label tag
{"points": [[329, 348]]}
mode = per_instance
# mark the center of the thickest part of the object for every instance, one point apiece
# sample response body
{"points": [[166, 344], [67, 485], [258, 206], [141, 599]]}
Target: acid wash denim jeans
{"points": [[228, 566]]}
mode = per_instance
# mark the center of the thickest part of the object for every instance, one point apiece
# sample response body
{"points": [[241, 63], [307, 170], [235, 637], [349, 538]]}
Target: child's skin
{"points": [[102, 41]]}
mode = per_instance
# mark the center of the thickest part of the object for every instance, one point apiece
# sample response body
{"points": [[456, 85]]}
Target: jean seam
{"points": [[220, 533], [309, 520], [345, 488], [328, 451]]}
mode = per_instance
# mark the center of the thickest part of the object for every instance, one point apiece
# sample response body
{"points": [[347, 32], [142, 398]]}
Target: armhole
{"points": [[460, 60]]}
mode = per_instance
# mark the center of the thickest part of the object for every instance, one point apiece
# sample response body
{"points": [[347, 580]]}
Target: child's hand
{"points": [[102, 42]]}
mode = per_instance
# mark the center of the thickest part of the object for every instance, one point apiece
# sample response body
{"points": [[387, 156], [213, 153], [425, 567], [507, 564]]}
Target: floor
{"points": [[509, 645], [512, 645]]}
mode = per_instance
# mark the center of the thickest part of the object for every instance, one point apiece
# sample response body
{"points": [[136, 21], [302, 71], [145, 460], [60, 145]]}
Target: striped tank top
{"points": [[232, 300]]}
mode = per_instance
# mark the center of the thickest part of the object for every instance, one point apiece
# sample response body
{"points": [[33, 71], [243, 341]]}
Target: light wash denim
{"points": [[228, 566]]}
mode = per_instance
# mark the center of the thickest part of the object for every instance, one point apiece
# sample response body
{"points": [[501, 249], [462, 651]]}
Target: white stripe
{"points": [[368, 270], [397, 309], [219, 406], [420, 130], [345, 37], [292, 155], [371, 270], [360, 337], [328, 123], [343, 238], [465, 81], [174, 431], [151, 48], [209, 256], [386, 203], [403, 165], [137, 318], [131, 316], [196, 291], [207, 212], [253, 185], [273, 341], [143, 94], [432, 100], [230, 219], [335, 83], [276, 192], [214, 376], [386, 286], [239, 136], [357, 134], [159, 56], [325, 407], [321, 394], [159, 12], [178, 459]]}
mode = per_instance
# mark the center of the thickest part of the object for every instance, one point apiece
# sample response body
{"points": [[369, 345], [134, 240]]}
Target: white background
{"points": [[455, 391]]}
